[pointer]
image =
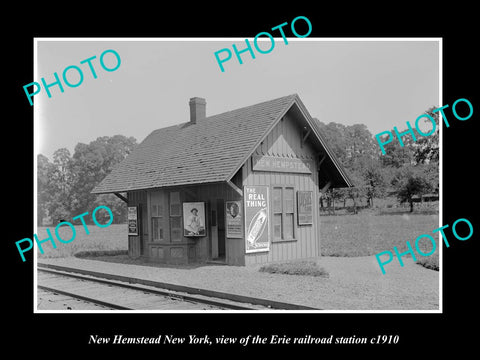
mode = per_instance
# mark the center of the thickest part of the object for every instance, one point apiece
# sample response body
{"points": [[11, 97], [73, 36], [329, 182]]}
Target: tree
{"points": [[427, 148], [60, 178], [357, 150], [44, 171], [330, 196], [432, 174], [357, 191], [427, 152], [395, 155], [62, 174], [334, 135], [91, 163], [411, 181], [374, 179], [360, 146], [64, 185], [348, 143], [118, 207]]}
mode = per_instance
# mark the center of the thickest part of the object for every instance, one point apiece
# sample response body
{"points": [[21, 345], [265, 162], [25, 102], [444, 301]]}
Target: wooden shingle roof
{"points": [[209, 151]]}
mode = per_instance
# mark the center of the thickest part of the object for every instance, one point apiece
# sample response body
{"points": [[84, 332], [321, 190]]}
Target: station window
{"points": [[175, 216], [283, 212], [157, 221]]}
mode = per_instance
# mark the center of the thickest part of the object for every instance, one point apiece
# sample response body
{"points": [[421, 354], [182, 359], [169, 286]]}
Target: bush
{"points": [[96, 253], [302, 267], [430, 262]]}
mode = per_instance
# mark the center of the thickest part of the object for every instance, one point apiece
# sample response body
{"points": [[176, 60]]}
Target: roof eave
{"points": [[296, 100], [331, 155], [149, 187], [265, 134]]}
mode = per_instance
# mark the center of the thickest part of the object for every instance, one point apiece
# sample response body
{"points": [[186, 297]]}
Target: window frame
{"points": [[178, 217], [160, 218], [283, 213]]}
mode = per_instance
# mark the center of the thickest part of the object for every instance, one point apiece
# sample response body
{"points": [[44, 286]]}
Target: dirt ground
{"points": [[354, 283]]}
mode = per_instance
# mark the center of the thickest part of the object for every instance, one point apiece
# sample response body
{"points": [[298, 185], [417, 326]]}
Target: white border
{"points": [[336, 39]]}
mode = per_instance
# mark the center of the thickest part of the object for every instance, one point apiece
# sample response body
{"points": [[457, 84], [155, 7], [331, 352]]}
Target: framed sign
{"points": [[304, 207], [257, 237], [281, 164], [234, 219], [132, 219], [194, 219]]}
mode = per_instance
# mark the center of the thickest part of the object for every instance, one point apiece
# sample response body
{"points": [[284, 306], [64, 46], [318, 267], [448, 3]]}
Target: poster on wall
{"points": [[256, 219], [234, 219], [194, 219], [304, 207], [132, 218]]}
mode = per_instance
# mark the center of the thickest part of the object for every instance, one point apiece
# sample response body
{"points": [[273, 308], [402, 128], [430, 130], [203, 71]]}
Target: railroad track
{"points": [[127, 293], [114, 294]]}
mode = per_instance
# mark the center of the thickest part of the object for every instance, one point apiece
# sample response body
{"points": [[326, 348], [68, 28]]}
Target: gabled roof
{"points": [[212, 150]]}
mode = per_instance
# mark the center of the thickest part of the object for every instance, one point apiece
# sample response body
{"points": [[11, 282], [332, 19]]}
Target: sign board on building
{"points": [[281, 164], [304, 207], [234, 219], [256, 205], [132, 218]]}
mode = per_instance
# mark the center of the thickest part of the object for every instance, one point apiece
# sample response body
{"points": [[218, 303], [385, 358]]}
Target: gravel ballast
{"points": [[353, 283]]}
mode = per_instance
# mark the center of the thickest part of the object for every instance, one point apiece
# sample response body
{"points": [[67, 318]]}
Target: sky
{"points": [[381, 84]]}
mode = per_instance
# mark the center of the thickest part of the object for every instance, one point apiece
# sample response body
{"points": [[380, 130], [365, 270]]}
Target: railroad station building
{"points": [[239, 188]]}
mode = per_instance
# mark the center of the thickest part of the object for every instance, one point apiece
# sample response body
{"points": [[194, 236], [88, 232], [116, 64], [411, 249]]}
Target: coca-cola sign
{"points": [[256, 219]]}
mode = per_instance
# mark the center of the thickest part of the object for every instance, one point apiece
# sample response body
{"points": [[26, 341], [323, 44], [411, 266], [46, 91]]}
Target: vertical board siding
{"points": [[193, 249], [137, 198], [285, 141]]}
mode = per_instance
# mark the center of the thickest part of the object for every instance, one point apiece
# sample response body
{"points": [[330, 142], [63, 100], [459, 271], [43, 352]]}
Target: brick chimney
{"points": [[197, 109]]}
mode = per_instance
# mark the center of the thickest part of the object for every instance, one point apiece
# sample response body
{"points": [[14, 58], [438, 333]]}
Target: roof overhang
{"points": [[331, 169], [330, 164]]}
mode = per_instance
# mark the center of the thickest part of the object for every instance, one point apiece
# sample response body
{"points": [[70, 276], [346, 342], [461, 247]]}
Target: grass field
{"points": [[113, 237], [341, 235], [368, 234]]}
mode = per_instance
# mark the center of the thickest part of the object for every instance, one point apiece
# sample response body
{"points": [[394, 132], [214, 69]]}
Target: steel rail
{"points": [[84, 298], [192, 291], [164, 293]]}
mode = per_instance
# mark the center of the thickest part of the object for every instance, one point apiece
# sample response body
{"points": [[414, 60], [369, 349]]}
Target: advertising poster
{"points": [[256, 219], [132, 217], [194, 219], [304, 207], [234, 219]]}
